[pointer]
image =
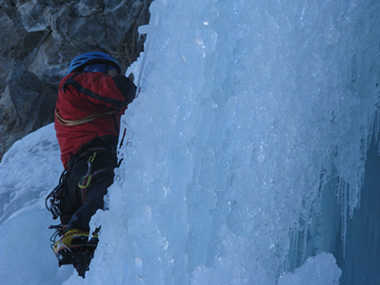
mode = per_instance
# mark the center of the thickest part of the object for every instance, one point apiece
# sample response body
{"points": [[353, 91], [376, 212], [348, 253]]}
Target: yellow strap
{"points": [[90, 118]]}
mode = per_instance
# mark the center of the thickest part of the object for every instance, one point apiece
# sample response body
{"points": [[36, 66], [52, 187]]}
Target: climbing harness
{"points": [[54, 202]]}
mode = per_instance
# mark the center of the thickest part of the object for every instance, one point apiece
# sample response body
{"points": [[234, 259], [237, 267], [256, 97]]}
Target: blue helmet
{"points": [[81, 61]]}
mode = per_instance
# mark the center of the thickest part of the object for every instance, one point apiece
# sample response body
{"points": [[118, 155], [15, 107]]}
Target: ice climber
{"points": [[91, 99]]}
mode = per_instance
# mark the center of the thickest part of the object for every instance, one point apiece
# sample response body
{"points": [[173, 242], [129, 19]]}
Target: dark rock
{"points": [[25, 104]]}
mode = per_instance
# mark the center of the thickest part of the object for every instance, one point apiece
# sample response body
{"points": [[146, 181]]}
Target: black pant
{"points": [[80, 204]]}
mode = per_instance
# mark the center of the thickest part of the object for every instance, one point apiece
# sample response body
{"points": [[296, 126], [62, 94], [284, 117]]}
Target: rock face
{"points": [[39, 38]]}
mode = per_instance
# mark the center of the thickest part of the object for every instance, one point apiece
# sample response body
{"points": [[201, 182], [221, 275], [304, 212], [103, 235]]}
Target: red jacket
{"points": [[89, 105]]}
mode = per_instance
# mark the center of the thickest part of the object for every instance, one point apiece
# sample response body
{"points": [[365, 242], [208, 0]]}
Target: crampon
{"points": [[78, 252]]}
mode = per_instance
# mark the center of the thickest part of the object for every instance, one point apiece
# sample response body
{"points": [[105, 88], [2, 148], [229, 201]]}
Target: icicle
{"points": [[343, 193]]}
